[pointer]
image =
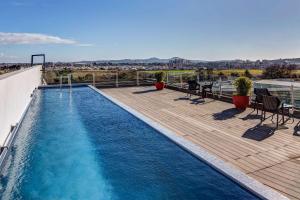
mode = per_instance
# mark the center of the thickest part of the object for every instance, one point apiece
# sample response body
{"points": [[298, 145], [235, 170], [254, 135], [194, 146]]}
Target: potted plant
{"points": [[243, 86], [160, 84]]}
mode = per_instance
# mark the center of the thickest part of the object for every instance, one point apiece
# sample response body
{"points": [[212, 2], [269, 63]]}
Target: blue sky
{"points": [[73, 30]]}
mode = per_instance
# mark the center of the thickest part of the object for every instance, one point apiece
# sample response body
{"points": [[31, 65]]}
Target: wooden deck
{"points": [[273, 158]]}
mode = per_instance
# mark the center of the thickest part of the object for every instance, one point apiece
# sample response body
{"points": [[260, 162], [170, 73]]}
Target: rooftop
{"points": [[271, 157]]}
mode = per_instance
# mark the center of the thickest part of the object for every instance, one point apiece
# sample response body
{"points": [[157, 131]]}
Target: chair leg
{"points": [[277, 121], [272, 117], [282, 111], [255, 108]]}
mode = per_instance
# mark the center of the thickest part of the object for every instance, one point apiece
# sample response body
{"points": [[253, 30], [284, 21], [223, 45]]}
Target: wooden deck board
{"points": [[236, 137]]}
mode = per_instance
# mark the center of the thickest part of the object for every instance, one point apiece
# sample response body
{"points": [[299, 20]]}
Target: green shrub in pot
{"points": [[160, 76], [243, 86]]}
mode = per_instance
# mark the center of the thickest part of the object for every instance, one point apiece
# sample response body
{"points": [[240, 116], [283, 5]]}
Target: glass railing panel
{"points": [[287, 94]]}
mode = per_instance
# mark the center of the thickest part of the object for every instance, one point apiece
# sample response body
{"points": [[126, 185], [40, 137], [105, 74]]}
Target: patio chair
{"points": [[193, 87], [259, 93], [296, 114], [271, 104], [205, 89]]}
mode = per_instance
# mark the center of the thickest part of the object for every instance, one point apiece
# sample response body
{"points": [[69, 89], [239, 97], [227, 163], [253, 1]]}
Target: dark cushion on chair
{"points": [[271, 103], [193, 85], [259, 93]]}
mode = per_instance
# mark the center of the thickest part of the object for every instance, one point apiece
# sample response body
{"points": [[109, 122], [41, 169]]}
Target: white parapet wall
{"points": [[15, 94]]}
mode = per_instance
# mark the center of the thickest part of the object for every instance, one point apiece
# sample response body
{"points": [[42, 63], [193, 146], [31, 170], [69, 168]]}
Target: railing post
{"points": [[137, 78], [94, 84], [181, 83], [292, 95], [60, 81], [220, 87], [117, 79], [167, 77], [69, 80]]}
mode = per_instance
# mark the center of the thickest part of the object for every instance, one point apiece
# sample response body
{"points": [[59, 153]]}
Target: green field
{"points": [[227, 72], [171, 71], [52, 76]]}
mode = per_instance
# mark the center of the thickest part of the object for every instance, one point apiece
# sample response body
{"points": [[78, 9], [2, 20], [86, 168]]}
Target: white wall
{"points": [[15, 91]]}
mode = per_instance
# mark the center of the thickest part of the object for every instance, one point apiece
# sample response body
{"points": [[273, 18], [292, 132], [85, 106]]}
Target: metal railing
{"points": [[287, 94], [100, 78], [179, 79], [222, 86]]}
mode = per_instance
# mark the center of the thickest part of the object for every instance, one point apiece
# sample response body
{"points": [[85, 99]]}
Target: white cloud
{"points": [[32, 38], [4, 56], [8, 58], [17, 3], [85, 45]]}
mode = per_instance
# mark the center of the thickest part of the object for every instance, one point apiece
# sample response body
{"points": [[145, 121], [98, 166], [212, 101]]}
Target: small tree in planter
{"points": [[248, 74], [243, 86], [160, 76]]}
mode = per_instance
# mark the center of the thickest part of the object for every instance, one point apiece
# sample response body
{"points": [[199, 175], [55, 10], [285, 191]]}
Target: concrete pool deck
{"points": [[272, 158]]}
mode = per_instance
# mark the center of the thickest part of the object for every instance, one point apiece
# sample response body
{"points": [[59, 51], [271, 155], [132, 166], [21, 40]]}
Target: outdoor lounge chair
{"points": [[193, 87], [297, 126], [206, 88], [259, 93], [271, 104]]}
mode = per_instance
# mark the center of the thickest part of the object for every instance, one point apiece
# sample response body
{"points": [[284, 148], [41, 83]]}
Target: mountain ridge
{"points": [[167, 60]]}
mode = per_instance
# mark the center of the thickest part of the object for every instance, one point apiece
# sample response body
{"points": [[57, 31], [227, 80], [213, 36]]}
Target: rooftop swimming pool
{"points": [[80, 145]]}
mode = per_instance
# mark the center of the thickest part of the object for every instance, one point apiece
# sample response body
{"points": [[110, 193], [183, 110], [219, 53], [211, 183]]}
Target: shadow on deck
{"points": [[259, 132], [227, 114]]}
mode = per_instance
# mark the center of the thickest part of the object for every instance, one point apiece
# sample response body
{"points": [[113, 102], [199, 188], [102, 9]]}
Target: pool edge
{"points": [[228, 170], [11, 136]]}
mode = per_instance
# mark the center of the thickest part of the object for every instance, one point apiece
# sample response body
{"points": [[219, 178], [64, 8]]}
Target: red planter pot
{"points": [[241, 102], [160, 85]]}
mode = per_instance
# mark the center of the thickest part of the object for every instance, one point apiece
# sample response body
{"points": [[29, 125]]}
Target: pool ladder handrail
{"points": [[69, 77]]}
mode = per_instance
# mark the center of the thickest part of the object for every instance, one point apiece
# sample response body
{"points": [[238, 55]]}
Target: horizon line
{"points": [[200, 60]]}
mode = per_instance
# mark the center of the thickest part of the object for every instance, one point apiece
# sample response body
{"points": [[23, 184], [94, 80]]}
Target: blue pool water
{"points": [[79, 145]]}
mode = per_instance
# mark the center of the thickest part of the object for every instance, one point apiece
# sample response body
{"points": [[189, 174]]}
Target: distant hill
{"points": [[135, 61], [140, 61], [160, 60]]}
